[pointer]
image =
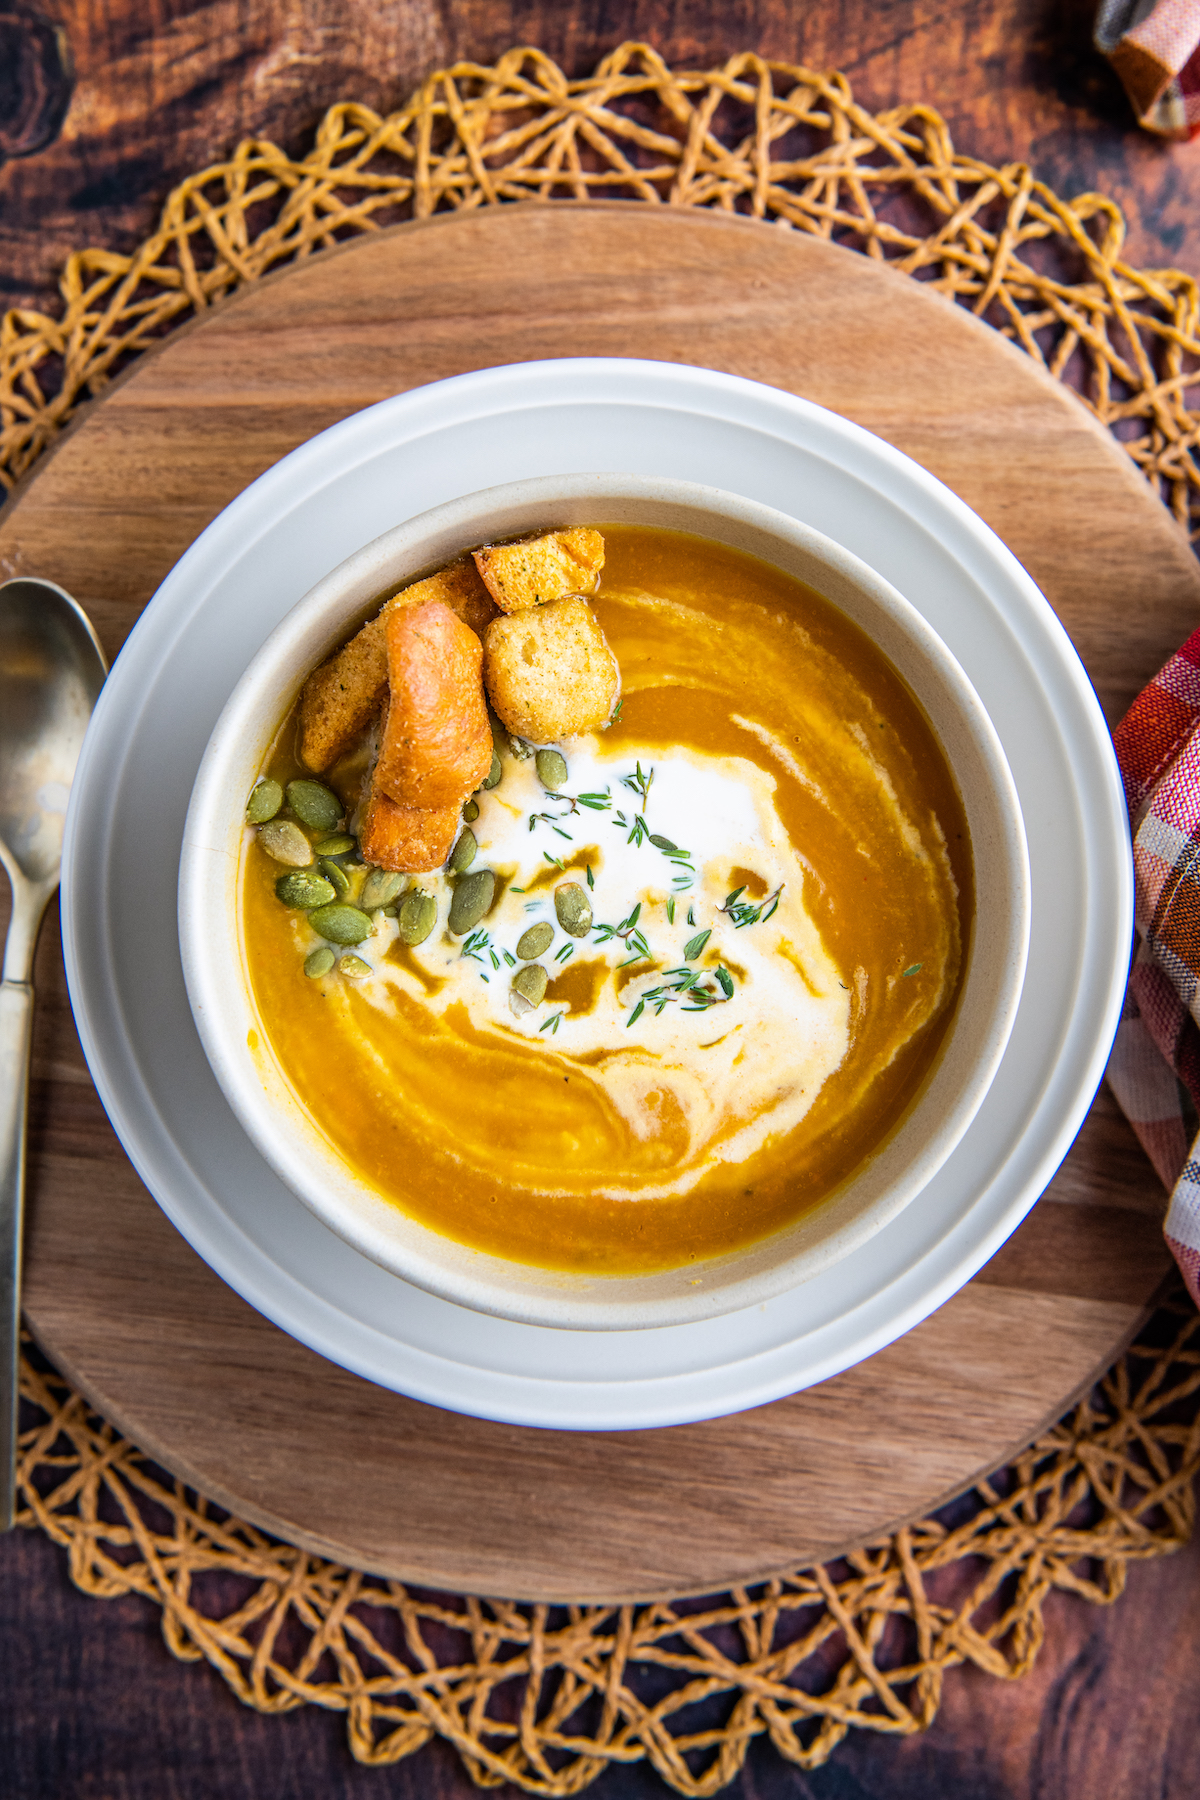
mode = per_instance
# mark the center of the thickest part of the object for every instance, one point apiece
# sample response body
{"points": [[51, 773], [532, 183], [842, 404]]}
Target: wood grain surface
{"points": [[160, 92], [174, 1357], [96, 1708]]}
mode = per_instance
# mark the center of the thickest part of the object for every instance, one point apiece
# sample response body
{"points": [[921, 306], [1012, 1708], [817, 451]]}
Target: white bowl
{"points": [[219, 989]]}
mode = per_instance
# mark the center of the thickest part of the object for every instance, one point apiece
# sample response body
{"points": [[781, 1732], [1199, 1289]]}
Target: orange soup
{"points": [[777, 892]]}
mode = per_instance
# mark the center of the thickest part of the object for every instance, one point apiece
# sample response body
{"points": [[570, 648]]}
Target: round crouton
{"points": [[549, 671]]}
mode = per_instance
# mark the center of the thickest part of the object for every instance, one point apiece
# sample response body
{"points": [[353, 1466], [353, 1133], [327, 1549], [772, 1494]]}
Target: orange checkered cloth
{"points": [[1154, 1070], [1154, 45]]}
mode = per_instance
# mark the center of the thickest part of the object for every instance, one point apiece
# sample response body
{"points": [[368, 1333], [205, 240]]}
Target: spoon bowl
{"points": [[51, 671]]}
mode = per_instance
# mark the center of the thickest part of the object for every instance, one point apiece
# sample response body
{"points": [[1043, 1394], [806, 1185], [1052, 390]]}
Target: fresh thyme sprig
{"points": [[742, 912], [596, 802], [627, 930], [686, 988], [473, 945], [639, 783], [639, 831]]}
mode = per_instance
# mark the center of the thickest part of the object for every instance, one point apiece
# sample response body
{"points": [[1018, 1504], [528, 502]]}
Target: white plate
{"points": [[209, 618]]}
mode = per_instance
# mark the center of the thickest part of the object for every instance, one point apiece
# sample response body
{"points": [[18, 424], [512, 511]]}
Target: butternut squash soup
{"points": [[679, 972]]}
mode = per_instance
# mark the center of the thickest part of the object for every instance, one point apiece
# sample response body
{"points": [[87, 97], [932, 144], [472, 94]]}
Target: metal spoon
{"points": [[51, 670]]}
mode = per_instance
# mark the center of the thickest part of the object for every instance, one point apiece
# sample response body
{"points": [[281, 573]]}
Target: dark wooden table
{"points": [[93, 1704]]}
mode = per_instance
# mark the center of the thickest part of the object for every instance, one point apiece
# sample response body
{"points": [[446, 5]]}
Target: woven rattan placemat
{"points": [[548, 1697]]}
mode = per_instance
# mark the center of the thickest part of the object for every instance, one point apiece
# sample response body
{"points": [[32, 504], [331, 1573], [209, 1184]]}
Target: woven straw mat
{"points": [[548, 1697]]}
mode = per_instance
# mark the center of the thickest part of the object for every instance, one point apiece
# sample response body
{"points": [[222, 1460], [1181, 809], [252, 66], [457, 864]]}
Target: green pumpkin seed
{"points": [[314, 804], [318, 962], [471, 811], [574, 913], [417, 916], [354, 967], [551, 768], [520, 749], [338, 845], [334, 872], [264, 802], [492, 778], [536, 941], [381, 887], [473, 896], [530, 983], [304, 889], [341, 924], [284, 840], [463, 853]]}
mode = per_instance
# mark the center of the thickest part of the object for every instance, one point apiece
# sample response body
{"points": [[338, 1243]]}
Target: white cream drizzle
{"points": [[734, 1074]]}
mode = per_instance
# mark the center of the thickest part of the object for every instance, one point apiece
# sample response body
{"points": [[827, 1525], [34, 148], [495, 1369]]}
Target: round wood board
{"points": [[264, 1426]]}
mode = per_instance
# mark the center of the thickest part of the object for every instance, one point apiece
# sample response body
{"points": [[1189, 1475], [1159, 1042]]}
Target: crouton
{"points": [[550, 673], [436, 745], [542, 569], [411, 840], [460, 587], [342, 697]]}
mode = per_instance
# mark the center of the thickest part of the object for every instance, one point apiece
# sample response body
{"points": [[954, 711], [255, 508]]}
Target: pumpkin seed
{"points": [[304, 888], [520, 749], [463, 853], [338, 845], [574, 913], [473, 896], [530, 983], [417, 916], [381, 887], [536, 941], [284, 840], [334, 872], [471, 811], [492, 778], [354, 967], [341, 924], [265, 800], [314, 804], [318, 962], [551, 768]]}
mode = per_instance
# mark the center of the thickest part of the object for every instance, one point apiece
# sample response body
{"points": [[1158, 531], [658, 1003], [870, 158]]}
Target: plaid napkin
{"points": [[1154, 1070], [1154, 45]]}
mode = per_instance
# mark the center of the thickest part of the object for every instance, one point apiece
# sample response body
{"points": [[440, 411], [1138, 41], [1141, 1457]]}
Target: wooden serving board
{"points": [[266, 1427]]}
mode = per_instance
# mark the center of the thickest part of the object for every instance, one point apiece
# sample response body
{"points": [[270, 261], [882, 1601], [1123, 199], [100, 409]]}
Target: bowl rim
{"points": [[321, 617]]}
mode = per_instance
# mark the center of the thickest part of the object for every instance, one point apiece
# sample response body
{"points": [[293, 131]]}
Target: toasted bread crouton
{"points": [[344, 694], [542, 569], [342, 697], [460, 587], [411, 840], [550, 673], [436, 745]]}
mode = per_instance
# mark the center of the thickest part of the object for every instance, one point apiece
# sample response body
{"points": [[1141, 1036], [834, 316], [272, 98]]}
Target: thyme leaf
{"points": [[743, 912]]}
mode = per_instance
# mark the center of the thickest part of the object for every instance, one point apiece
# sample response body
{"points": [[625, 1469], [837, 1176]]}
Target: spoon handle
{"points": [[16, 1020]]}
